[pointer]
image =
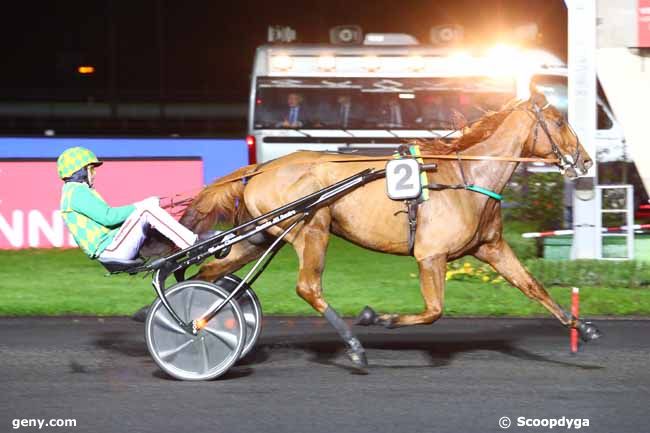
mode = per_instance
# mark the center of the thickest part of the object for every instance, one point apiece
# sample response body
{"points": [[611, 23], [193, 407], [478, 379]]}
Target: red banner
{"points": [[643, 23], [30, 193]]}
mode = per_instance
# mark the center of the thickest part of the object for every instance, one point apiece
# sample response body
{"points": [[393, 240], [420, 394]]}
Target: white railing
{"points": [[623, 207]]}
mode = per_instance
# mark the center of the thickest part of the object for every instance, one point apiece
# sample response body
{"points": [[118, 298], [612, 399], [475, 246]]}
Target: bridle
{"points": [[565, 161]]}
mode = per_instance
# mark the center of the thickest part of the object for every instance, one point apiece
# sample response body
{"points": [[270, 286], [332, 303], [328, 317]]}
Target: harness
{"points": [[565, 161], [411, 204]]}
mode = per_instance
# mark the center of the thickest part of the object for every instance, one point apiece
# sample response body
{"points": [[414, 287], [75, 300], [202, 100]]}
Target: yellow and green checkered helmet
{"points": [[74, 159]]}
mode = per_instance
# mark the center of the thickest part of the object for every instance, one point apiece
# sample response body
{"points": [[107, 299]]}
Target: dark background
{"points": [[203, 50]]}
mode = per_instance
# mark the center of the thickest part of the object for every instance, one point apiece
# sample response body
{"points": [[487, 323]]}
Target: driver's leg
{"points": [[129, 239], [132, 234], [164, 223]]}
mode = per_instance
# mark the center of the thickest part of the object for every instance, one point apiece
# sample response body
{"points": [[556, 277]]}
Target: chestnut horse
{"points": [[451, 224]]}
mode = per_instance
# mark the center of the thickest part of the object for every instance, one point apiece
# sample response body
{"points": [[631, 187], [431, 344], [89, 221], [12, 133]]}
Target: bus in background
{"points": [[369, 98]]}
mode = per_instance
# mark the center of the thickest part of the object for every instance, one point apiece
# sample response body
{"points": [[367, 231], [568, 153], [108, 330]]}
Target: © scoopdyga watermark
{"points": [[550, 423], [40, 423]]}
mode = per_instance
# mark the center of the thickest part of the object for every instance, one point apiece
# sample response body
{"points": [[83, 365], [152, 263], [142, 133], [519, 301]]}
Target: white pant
{"points": [[132, 234]]}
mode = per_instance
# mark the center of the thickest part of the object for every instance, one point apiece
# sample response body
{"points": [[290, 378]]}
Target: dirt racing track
{"points": [[459, 375]]}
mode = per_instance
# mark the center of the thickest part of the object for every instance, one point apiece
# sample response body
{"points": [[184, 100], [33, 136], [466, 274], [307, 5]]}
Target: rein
{"points": [[388, 158]]}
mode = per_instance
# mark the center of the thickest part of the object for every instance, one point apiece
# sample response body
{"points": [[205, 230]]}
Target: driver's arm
{"points": [[89, 204]]}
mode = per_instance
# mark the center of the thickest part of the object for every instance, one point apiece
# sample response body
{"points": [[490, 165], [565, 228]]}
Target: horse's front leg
{"points": [[500, 256], [432, 286], [310, 244]]}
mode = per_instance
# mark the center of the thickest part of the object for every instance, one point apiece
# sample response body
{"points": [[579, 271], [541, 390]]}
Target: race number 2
{"points": [[403, 179]]}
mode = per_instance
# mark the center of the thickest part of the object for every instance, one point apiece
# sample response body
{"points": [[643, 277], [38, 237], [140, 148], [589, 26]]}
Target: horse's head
{"points": [[552, 136]]}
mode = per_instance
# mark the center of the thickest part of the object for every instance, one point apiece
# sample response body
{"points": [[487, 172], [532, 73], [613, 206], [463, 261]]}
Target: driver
{"points": [[110, 233]]}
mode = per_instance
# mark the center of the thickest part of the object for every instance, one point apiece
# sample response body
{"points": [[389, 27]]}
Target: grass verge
{"points": [[65, 282]]}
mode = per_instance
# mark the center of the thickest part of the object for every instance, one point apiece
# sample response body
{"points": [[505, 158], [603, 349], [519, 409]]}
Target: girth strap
{"points": [[412, 212], [412, 204]]}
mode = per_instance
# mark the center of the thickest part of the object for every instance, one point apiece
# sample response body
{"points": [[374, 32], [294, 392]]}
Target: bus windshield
{"points": [[375, 103]]}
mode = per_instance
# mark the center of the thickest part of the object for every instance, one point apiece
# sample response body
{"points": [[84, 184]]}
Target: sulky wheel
{"points": [[206, 355], [251, 307]]}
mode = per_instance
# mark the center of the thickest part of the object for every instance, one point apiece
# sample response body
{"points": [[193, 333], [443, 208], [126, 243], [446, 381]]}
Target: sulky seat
{"points": [[116, 265]]}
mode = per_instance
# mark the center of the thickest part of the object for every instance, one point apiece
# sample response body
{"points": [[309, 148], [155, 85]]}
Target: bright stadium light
{"points": [[502, 53], [503, 59], [462, 61]]}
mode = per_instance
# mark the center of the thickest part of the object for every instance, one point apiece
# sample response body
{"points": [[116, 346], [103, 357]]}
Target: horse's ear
{"points": [[537, 97]]}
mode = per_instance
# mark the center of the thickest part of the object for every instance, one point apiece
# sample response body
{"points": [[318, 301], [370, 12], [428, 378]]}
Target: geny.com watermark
{"points": [[40, 423], [550, 423]]}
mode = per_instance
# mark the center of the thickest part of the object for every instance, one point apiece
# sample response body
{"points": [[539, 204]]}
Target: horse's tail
{"points": [[218, 202]]}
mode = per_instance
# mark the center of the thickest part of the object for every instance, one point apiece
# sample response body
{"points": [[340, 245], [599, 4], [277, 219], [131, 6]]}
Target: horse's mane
{"points": [[477, 132]]}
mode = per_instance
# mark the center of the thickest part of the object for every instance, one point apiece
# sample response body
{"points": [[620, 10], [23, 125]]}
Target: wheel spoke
{"points": [[204, 354], [189, 297], [166, 354], [168, 324], [227, 338]]}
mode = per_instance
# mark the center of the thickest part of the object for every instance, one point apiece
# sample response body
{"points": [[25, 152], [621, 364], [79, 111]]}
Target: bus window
{"points": [[375, 103]]}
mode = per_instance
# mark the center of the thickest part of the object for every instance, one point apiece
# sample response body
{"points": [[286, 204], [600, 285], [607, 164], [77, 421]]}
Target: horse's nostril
{"points": [[588, 164]]}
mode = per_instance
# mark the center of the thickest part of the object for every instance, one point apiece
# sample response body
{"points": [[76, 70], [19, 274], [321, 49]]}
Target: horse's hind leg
{"points": [[432, 286], [500, 256], [240, 254]]}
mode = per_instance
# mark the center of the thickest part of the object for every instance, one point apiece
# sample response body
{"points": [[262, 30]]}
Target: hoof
{"points": [[367, 317], [358, 358], [386, 321], [141, 314], [588, 331], [357, 354]]}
